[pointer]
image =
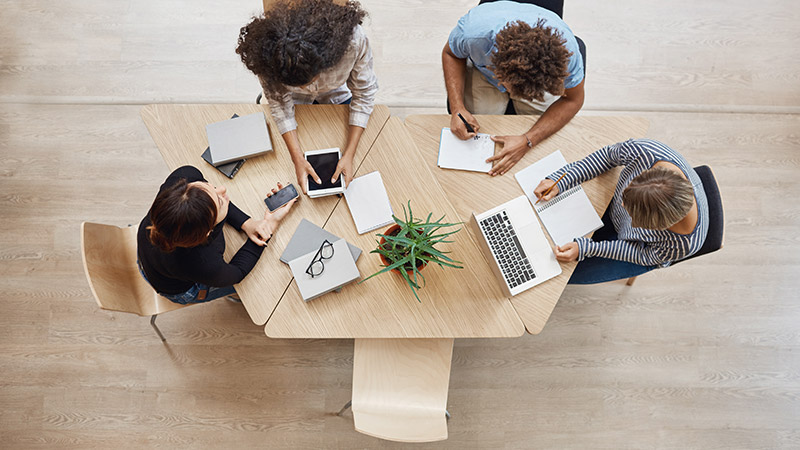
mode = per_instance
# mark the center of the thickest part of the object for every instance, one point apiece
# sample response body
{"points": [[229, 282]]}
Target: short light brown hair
{"points": [[657, 199], [531, 60]]}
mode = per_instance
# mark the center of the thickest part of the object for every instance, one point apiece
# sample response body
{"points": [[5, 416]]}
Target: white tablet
{"points": [[324, 163]]}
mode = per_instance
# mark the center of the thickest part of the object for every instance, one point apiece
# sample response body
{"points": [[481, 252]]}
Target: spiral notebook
{"points": [[568, 215]]}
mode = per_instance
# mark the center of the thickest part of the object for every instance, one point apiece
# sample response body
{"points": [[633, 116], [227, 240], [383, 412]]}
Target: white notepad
{"points": [[465, 155], [368, 202], [568, 215]]}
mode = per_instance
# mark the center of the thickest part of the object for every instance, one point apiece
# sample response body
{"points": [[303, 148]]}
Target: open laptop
{"points": [[515, 245]]}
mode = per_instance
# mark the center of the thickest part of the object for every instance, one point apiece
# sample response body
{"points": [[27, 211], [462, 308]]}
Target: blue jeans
{"points": [[190, 296], [594, 270]]}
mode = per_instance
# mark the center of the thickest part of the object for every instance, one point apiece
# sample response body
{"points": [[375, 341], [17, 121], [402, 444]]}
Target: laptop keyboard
{"points": [[506, 248]]}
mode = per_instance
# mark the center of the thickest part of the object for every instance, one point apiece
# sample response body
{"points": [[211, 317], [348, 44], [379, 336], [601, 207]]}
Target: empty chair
{"points": [[109, 261], [716, 217], [400, 388]]}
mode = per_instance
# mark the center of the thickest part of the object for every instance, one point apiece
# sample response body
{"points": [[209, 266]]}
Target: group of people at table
{"points": [[501, 55]]}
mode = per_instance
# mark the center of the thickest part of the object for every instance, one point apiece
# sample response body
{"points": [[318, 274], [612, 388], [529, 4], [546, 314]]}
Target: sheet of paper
{"points": [[368, 202], [465, 155], [568, 215]]}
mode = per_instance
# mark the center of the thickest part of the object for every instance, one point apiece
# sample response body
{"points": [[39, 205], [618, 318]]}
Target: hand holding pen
{"points": [[463, 125]]}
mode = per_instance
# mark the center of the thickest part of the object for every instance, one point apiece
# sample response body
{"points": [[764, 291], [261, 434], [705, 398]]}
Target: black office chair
{"points": [[716, 216], [556, 6]]}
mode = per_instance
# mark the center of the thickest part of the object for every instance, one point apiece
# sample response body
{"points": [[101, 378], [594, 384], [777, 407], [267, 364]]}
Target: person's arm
{"points": [[552, 120], [363, 85], [282, 110], [212, 270], [630, 251], [455, 72]]}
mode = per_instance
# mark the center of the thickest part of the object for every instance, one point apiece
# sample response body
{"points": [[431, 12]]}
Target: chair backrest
{"points": [[109, 261], [716, 217], [400, 388]]}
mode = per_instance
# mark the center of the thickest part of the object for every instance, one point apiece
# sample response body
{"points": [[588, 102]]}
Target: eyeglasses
{"points": [[317, 266]]}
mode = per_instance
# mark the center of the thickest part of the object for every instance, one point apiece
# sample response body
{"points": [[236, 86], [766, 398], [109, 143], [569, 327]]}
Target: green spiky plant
{"points": [[415, 244]]}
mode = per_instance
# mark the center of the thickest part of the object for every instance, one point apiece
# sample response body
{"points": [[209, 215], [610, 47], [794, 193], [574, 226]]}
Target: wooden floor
{"points": [[702, 355]]}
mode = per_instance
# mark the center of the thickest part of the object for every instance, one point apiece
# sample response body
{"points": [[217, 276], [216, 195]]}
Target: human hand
{"points": [[259, 231], [567, 252], [303, 169], [345, 167], [543, 186], [458, 128], [514, 148]]}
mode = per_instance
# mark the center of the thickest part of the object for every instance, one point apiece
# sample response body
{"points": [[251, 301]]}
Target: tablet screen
{"points": [[324, 164]]}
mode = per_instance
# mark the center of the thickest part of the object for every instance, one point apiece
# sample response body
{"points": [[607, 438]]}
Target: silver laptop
{"points": [[235, 139], [514, 243]]}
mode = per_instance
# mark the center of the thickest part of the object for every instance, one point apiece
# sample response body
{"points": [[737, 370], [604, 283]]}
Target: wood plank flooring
{"points": [[702, 355]]}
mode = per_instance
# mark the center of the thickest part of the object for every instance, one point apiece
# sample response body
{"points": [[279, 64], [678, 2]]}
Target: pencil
{"points": [[550, 188]]}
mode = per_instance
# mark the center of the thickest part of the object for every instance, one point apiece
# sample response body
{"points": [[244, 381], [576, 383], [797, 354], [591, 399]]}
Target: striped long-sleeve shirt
{"points": [[637, 245], [351, 76]]}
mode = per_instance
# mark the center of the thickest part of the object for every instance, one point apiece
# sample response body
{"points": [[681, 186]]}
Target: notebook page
{"points": [[368, 202], [568, 215], [465, 155]]}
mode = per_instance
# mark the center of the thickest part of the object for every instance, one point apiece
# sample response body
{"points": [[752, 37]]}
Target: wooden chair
{"points": [[716, 217], [400, 388], [109, 261]]}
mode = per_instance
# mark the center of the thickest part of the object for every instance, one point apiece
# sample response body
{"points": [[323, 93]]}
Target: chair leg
{"points": [[258, 99], [344, 408], [630, 281], [153, 323]]}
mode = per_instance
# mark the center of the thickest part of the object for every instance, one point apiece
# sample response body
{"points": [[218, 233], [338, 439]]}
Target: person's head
{"points": [[658, 199], [530, 60], [294, 41], [184, 214]]}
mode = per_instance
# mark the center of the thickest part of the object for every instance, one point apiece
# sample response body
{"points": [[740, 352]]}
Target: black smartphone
{"points": [[282, 197]]}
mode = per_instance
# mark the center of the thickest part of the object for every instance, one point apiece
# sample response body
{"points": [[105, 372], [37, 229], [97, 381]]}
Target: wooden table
{"points": [[477, 192], [454, 303]]}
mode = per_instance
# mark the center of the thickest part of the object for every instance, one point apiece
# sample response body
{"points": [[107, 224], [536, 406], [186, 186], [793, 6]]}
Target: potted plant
{"points": [[410, 244]]}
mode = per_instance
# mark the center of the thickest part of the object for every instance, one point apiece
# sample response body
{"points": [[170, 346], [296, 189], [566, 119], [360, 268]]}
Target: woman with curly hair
{"points": [[516, 50], [312, 51]]}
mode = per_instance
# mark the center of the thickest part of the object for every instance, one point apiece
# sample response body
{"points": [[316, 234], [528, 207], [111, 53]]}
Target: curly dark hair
{"points": [[294, 41], [531, 60]]}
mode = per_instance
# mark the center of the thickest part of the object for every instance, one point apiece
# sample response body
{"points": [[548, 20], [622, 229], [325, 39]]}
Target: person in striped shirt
{"points": [[658, 214]]}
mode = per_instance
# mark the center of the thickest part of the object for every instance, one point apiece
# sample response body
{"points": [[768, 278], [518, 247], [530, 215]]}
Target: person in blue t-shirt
{"points": [[508, 50]]}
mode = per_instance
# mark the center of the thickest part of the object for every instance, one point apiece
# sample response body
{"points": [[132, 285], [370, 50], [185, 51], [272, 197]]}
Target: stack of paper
{"points": [[566, 216], [465, 155], [368, 202]]}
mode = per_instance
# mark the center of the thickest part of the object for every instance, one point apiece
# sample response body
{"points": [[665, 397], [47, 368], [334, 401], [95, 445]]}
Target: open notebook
{"points": [[465, 155], [568, 215]]}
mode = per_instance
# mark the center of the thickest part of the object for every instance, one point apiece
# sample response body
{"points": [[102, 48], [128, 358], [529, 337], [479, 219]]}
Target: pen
{"points": [[550, 188], [469, 127]]}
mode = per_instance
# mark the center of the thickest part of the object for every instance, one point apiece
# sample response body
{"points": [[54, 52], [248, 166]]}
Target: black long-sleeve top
{"points": [[176, 272]]}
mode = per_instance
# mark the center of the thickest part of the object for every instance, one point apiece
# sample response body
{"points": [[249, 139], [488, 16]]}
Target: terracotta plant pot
{"points": [[392, 231]]}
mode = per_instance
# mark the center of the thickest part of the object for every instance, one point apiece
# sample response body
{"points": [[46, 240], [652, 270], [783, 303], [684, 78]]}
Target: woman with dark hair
{"points": [[658, 215], [180, 241], [312, 51]]}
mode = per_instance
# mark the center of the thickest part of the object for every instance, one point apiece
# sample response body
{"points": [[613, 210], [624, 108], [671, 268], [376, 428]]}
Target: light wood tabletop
{"points": [[179, 132], [454, 302], [470, 192]]}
